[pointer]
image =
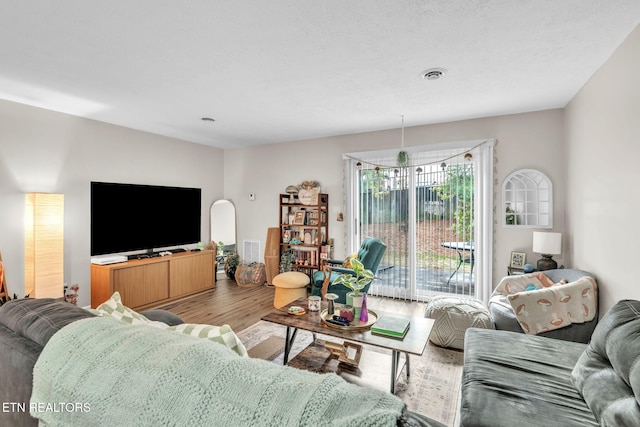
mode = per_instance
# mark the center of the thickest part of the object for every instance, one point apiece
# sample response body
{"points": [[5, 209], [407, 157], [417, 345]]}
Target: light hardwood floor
{"points": [[241, 307]]}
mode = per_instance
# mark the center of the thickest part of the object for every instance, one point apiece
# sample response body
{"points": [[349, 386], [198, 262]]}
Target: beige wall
{"points": [[603, 149], [44, 151], [532, 140]]}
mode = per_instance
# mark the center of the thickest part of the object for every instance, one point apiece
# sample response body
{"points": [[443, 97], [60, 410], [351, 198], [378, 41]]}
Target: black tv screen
{"points": [[131, 217]]}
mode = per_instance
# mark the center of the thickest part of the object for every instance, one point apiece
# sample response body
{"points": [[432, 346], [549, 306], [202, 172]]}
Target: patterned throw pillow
{"points": [[224, 335], [113, 307], [220, 334]]}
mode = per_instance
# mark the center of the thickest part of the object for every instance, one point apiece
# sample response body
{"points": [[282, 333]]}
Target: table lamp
{"points": [[547, 245]]}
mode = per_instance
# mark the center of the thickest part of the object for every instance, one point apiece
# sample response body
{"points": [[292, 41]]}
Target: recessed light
{"points": [[208, 119], [433, 73]]}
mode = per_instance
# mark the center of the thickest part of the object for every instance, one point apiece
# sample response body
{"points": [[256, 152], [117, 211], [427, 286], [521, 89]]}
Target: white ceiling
{"points": [[273, 70]]}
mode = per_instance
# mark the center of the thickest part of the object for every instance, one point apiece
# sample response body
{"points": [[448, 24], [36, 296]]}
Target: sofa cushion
{"points": [[608, 372], [512, 379], [37, 319], [163, 316]]}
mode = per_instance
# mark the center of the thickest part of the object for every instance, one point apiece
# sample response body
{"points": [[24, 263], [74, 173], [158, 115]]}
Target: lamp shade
{"points": [[44, 245], [547, 243]]}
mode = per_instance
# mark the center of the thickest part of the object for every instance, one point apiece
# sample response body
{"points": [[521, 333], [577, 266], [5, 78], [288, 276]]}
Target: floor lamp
{"points": [[44, 245]]}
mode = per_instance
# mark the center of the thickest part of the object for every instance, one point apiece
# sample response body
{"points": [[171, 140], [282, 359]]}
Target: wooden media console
{"points": [[153, 281]]}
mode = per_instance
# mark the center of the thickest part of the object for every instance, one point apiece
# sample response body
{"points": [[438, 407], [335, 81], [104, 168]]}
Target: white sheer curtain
{"points": [[484, 224]]}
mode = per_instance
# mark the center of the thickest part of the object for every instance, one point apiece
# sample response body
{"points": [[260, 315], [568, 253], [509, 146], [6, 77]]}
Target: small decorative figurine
{"points": [[364, 313]]}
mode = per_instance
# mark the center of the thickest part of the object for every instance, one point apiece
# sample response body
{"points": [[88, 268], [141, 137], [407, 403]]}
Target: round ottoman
{"points": [[290, 286], [453, 316]]}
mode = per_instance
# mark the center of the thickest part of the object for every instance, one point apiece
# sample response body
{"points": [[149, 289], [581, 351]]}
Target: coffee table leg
{"points": [[288, 342], [394, 370], [407, 363], [395, 364]]}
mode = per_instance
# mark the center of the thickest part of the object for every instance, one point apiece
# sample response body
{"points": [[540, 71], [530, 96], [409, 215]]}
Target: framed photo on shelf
{"points": [[299, 218], [307, 237], [313, 218], [517, 259]]}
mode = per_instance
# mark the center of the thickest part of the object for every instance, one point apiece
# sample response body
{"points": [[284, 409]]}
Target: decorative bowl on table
{"points": [[353, 326]]}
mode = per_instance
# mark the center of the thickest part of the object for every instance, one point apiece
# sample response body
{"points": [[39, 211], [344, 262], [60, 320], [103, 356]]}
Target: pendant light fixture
{"points": [[403, 156]]}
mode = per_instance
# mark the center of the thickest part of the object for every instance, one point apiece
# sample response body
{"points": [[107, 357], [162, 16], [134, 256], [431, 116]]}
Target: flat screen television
{"points": [[131, 217]]}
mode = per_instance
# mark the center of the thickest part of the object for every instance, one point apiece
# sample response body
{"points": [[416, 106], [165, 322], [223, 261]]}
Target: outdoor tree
{"points": [[458, 189], [374, 180]]}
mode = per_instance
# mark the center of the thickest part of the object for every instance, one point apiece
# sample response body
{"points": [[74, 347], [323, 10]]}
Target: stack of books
{"points": [[395, 327]]}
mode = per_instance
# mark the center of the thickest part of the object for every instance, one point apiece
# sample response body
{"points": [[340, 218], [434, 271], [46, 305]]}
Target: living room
{"points": [[587, 148], [591, 164]]}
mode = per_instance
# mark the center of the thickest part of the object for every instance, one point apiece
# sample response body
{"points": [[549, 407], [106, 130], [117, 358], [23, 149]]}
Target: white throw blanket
{"points": [[102, 372], [550, 306]]}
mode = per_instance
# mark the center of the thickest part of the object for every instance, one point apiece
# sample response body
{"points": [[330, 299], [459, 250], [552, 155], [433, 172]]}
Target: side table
{"points": [[514, 271]]}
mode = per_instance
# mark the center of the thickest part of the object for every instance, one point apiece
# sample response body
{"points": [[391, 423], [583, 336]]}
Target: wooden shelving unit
{"points": [[309, 224]]}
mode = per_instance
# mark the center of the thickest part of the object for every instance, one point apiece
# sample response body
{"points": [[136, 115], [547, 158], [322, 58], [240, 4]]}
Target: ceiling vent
{"points": [[433, 73]]}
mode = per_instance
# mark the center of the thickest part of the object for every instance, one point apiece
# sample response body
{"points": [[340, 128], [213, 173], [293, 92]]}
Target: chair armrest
{"points": [[342, 270]]}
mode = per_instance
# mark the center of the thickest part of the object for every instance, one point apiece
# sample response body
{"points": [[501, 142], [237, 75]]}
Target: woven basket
{"points": [[248, 275]]}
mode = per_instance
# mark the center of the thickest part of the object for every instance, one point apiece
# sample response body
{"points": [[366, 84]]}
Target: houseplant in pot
{"points": [[286, 260], [230, 265], [356, 282]]}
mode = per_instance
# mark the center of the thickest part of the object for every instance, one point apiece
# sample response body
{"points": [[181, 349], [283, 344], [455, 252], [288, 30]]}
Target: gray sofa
{"points": [[512, 379], [27, 325]]}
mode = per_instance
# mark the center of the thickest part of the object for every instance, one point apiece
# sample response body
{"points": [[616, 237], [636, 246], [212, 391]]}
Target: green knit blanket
{"points": [[102, 372]]}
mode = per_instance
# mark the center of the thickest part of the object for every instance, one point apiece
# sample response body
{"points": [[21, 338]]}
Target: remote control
{"points": [[337, 322]]}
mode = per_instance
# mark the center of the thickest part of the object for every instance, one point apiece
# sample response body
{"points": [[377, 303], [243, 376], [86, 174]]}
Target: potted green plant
{"points": [[356, 282], [230, 265], [286, 260]]}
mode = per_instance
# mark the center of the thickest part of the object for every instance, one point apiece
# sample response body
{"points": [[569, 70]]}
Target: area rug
{"points": [[432, 388]]}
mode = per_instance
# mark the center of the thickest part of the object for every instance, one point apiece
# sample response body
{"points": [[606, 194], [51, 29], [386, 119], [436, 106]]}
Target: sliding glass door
{"points": [[426, 213]]}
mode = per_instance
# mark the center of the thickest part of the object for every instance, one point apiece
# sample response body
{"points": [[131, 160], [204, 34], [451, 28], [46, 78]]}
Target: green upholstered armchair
{"points": [[370, 254]]}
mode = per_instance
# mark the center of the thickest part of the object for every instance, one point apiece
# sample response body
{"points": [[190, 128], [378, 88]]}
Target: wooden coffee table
{"points": [[318, 359]]}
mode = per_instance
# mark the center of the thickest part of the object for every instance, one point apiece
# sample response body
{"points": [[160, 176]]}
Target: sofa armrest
{"points": [[164, 316]]}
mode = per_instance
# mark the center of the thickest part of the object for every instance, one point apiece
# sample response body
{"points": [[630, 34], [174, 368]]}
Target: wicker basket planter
{"points": [[249, 275]]}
